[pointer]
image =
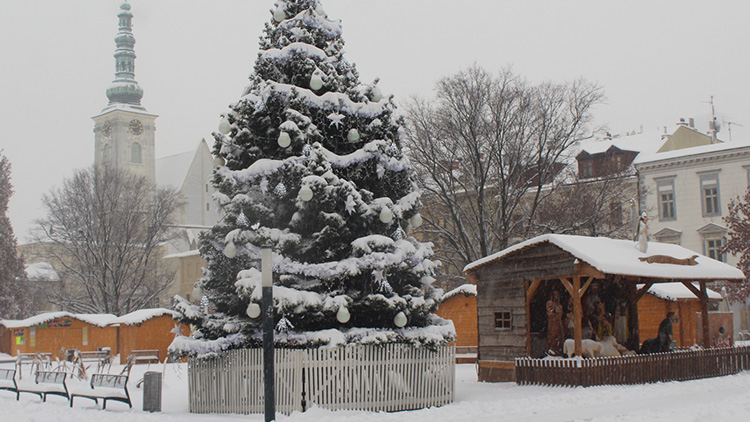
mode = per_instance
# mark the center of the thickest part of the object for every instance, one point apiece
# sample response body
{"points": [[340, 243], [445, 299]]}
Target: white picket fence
{"points": [[389, 377]]}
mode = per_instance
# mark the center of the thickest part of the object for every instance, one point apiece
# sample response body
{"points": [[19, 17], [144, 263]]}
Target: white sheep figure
{"points": [[589, 348]]}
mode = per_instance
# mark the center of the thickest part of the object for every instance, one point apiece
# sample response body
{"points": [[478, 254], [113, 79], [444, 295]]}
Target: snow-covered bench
{"points": [[8, 380], [46, 383], [106, 387], [144, 356]]}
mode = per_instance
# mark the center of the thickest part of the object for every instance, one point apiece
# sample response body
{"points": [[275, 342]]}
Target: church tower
{"points": [[124, 130]]}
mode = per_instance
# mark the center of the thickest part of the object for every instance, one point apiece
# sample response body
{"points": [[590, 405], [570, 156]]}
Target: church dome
{"points": [[125, 92]]}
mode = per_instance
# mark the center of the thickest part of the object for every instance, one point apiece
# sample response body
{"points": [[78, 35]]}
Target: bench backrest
{"points": [[154, 352], [108, 380], [7, 374], [51, 377]]}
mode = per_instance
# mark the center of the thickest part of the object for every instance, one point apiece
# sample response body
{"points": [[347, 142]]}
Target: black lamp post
{"points": [[267, 305]]}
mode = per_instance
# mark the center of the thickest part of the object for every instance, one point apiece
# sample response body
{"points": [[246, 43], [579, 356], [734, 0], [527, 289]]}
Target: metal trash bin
{"points": [[152, 391]]}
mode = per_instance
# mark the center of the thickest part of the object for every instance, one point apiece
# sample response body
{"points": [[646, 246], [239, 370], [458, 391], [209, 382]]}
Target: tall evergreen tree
{"points": [[15, 299], [314, 169]]}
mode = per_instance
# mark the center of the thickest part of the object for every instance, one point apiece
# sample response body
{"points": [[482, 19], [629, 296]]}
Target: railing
{"points": [[677, 365], [363, 377]]}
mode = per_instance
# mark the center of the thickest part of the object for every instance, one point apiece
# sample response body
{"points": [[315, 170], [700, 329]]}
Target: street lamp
{"points": [[267, 305]]}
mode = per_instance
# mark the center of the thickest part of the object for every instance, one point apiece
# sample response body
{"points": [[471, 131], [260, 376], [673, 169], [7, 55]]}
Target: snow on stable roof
{"points": [[464, 289], [99, 320], [674, 291], [142, 315], [615, 256]]}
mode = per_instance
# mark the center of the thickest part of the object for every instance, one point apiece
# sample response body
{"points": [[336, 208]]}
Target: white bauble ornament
{"points": [[224, 126], [316, 82], [343, 315], [253, 310], [376, 95], [284, 139], [230, 251], [305, 193], [400, 320], [415, 220], [353, 135], [197, 293], [219, 161], [279, 14], [386, 215]]}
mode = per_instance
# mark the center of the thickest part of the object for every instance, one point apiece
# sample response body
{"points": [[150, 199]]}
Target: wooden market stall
{"points": [[148, 329], [514, 286], [674, 297], [52, 331], [460, 306]]}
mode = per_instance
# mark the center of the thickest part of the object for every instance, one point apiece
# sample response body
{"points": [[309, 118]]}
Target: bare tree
{"points": [[603, 206], [106, 228], [486, 150]]}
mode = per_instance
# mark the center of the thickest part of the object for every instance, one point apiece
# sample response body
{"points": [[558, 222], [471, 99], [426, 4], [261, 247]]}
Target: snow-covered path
{"points": [[724, 399]]}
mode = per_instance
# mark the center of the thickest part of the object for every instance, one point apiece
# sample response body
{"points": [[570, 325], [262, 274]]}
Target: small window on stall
{"points": [[503, 320]]}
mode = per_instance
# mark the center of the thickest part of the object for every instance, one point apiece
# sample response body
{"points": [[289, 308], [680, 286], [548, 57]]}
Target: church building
{"points": [[125, 136]]}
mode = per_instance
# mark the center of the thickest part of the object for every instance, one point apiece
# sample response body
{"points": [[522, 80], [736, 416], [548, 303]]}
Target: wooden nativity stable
{"points": [[514, 285]]}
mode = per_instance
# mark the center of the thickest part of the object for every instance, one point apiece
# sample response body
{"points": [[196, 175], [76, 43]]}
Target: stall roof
{"points": [[675, 291], [99, 320], [613, 256]]}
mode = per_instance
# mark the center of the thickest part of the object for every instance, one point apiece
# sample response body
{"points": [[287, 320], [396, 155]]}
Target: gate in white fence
{"points": [[363, 377]]}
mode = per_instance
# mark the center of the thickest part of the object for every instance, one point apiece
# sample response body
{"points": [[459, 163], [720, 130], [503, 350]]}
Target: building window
{"points": [[666, 197], [615, 214], [710, 195], [135, 153], [713, 249], [587, 168], [503, 320]]}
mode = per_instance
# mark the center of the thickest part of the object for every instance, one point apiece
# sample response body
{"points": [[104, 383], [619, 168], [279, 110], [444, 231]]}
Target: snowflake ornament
{"points": [[350, 205], [336, 119], [264, 185], [381, 171], [177, 330]]}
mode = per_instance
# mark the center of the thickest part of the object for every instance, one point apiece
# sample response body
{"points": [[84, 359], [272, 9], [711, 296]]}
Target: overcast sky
{"points": [[656, 60]]}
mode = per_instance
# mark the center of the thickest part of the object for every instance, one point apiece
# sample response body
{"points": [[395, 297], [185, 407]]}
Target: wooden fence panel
{"points": [[673, 366], [390, 377]]}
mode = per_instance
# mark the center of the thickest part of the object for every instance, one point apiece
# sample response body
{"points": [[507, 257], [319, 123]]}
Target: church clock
{"points": [[107, 128], [135, 127]]}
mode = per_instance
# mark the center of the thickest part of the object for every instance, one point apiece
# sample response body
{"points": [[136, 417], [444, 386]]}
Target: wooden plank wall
{"points": [[500, 288], [652, 310]]}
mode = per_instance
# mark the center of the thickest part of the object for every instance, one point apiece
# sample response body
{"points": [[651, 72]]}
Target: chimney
{"points": [[692, 123], [682, 122]]}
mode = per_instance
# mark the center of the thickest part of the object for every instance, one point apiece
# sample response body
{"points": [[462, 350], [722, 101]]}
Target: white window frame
{"points": [[710, 205], [666, 186]]}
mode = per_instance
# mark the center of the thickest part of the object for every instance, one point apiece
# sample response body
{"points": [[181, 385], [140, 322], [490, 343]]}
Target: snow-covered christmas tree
{"points": [[313, 168]]}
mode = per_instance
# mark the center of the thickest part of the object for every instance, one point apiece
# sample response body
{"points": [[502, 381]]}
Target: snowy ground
{"points": [[725, 399]]}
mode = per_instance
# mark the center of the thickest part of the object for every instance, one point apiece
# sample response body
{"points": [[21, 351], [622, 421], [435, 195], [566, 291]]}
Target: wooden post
{"points": [[531, 287], [704, 309], [577, 315]]}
